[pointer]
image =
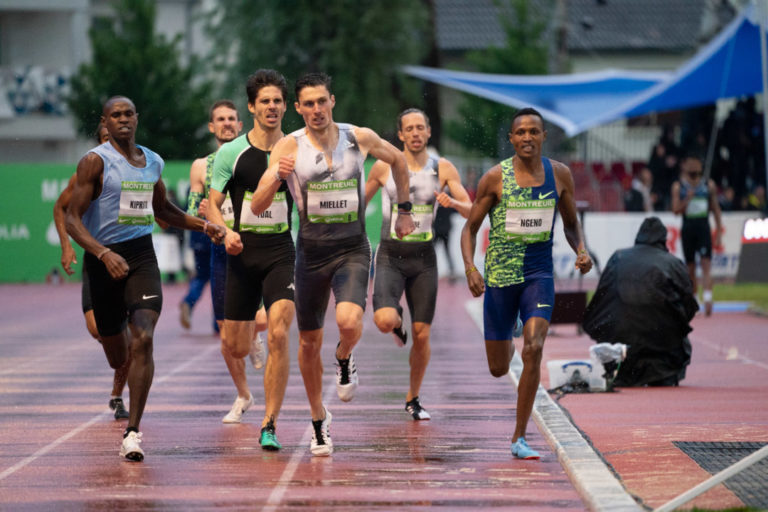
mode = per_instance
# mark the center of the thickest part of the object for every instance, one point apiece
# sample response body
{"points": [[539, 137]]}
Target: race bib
{"points": [[529, 221], [272, 220], [228, 212], [332, 202], [697, 207], [136, 203], [422, 220]]}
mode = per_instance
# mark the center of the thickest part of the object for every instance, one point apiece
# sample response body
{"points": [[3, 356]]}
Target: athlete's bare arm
{"points": [[567, 207], [197, 189], [68, 255], [168, 212], [459, 199], [283, 161], [714, 207], [377, 178], [488, 195]]}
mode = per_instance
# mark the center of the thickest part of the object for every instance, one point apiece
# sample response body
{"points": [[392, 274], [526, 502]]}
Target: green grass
{"points": [[756, 293]]}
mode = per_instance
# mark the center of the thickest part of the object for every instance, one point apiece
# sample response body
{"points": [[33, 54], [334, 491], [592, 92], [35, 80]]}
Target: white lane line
{"points": [[276, 496], [720, 348], [45, 449], [54, 355]]}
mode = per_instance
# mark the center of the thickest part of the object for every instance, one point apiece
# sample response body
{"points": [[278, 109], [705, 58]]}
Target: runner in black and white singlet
{"points": [[117, 196], [694, 198], [521, 196], [260, 264], [323, 166], [409, 264]]}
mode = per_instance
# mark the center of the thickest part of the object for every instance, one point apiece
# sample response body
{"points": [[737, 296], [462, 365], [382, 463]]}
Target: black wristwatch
{"points": [[406, 206]]}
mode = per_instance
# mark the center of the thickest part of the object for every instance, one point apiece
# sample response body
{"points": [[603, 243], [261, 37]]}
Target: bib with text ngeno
{"points": [[530, 220]]}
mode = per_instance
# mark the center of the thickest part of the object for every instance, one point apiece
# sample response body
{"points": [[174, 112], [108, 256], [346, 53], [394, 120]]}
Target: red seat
{"points": [[637, 166], [618, 171], [611, 197], [599, 171]]}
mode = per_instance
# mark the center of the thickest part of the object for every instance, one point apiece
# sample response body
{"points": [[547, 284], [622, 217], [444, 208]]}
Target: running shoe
{"points": [[185, 315], [116, 404], [415, 409], [400, 335], [238, 408], [257, 353], [321, 444], [346, 378], [518, 330], [130, 448], [521, 450], [268, 439]]}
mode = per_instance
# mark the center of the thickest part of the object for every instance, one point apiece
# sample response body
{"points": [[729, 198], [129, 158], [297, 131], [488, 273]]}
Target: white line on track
{"points": [[47, 448], [720, 347]]}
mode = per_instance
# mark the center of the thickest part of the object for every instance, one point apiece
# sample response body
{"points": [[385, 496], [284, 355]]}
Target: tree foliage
{"points": [[482, 121], [130, 59], [359, 43]]}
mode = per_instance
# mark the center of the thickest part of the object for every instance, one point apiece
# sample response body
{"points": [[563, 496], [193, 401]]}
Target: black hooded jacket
{"points": [[645, 300]]}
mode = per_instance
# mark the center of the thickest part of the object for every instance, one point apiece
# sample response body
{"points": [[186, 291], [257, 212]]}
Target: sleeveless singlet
{"points": [[123, 211], [239, 166], [698, 207], [520, 239], [330, 201], [423, 185]]}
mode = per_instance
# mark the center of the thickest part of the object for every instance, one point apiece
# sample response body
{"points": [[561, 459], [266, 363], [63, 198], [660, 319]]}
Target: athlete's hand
{"points": [[215, 232], [476, 283], [444, 199], [116, 265], [404, 225], [202, 209], [286, 166], [583, 262], [68, 257], [233, 243]]}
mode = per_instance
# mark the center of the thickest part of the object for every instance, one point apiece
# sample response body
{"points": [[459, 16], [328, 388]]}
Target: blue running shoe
{"points": [[521, 450], [518, 330]]}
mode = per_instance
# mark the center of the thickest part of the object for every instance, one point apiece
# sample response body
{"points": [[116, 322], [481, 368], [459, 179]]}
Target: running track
{"points": [[59, 443]]}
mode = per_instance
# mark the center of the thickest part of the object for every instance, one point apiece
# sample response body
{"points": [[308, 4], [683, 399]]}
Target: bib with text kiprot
{"points": [[136, 203], [272, 220], [332, 202], [422, 221]]}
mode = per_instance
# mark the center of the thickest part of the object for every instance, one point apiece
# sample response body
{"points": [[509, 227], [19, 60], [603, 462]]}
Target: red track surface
{"points": [[59, 444]]}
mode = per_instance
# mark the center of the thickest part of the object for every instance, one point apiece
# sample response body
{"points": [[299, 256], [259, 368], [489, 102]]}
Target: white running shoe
{"points": [[321, 444], [257, 354], [346, 378], [130, 448], [238, 408]]}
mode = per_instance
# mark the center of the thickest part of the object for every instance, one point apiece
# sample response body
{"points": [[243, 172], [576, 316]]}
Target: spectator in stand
{"points": [[664, 168], [755, 201], [638, 196], [725, 198]]}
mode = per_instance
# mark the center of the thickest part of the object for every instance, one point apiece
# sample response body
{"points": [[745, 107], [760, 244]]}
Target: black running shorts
{"points": [[114, 301], [409, 267], [696, 239]]}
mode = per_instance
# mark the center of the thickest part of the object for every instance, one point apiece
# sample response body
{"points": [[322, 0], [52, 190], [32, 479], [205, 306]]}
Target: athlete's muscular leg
{"points": [[121, 373], [534, 334], [235, 345], [311, 366], [499, 354], [278, 362], [419, 358], [349, 318], [387, 319], [142, 369]]}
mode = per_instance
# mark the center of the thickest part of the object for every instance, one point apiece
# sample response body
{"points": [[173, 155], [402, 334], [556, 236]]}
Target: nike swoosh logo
{"points": [[147, 297], [544, 196], [539, 305]]}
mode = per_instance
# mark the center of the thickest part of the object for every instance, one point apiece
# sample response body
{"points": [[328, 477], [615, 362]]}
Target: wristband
{"points": [[470, 270], [205, 227], [104, 252], [582, 251]]}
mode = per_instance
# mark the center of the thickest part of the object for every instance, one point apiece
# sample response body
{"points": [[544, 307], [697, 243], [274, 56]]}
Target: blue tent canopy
{"points": [[729, 66]]}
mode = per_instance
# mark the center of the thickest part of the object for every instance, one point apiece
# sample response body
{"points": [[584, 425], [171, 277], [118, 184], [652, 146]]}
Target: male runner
{"points": [[261, 258], [117, 195], [323, 166], [409, 264], [68, 257], [520, 195], [694, 198]]}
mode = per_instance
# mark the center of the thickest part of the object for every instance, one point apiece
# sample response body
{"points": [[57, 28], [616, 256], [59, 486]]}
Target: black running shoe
{"points": [[116, 404], [416, 411], [400, 335]]}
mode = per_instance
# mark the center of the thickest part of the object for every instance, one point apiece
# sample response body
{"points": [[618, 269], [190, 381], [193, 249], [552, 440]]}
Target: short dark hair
{"points": [[410, 111], [263, 78], [222, 103], [527, 111], [312, 80]]}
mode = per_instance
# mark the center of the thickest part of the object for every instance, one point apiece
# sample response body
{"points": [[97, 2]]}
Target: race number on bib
{"points": [[529, 220], [332, 202], [422, 220], [698, 207], [136, 203], [272, 220]]}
